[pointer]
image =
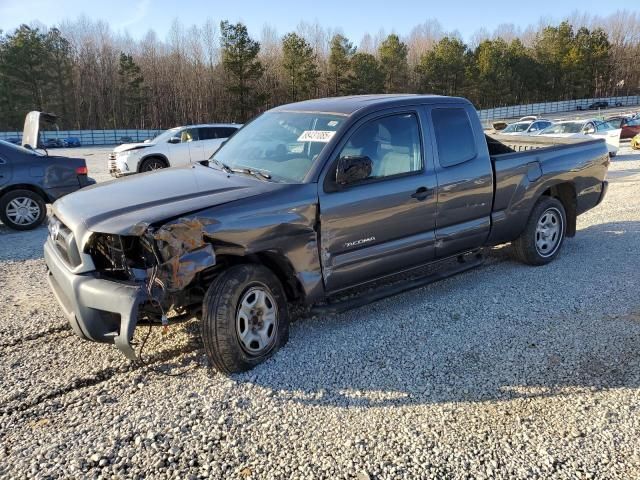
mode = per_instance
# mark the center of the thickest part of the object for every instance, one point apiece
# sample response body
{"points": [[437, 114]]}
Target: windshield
{"points": [[281, 144], [569, 127], [21, 149], [166, 135], [516, 127]]}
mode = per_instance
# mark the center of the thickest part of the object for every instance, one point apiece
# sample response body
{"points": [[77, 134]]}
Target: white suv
{"points": [[172, 148]]}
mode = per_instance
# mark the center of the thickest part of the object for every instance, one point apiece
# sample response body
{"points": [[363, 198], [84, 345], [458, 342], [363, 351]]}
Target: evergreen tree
{"points": [[365, 75], [442, 70], [131, 91], [340, 53], [240, 61], [393, 60], [299, 62]]}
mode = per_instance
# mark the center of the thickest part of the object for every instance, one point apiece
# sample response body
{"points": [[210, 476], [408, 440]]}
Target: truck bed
{"points": [[526, 166]]}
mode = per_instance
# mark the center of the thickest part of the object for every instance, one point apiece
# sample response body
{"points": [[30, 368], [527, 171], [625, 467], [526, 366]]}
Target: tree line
{"points": [[93, 78]]}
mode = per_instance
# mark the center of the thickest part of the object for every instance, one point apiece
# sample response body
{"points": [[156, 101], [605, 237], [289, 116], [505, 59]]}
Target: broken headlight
{"points": [[121, 257]]}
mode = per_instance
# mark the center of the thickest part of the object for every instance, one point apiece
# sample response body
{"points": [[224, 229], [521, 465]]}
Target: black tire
{"points": [[221, 322], [527, 247], [152, 163], [34, 204]]}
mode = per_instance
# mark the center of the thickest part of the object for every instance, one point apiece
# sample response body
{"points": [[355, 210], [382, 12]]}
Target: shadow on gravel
{"points": [[492, 341]]}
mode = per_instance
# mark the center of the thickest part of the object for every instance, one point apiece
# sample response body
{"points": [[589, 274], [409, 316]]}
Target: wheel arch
{"points": [[566, 193], [160, 156], [26, 186], [276, 262]]}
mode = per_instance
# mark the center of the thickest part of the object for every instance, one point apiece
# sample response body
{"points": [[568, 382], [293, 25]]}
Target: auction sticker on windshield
{"points": [[316, 136]]}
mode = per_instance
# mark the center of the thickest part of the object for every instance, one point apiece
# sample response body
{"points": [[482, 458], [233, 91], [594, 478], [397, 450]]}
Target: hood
{"points": [[131, 146], [128, 205], [31, 130]]}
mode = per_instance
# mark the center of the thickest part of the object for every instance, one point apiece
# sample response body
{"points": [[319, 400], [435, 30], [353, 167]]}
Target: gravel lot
{"points": [[506, 371]]}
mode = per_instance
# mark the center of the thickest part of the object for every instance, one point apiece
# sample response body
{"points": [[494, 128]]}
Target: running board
{"points": [[465, 262]]}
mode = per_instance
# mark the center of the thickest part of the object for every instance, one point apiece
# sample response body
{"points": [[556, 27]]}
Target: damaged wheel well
{"points": [[274, 261]]}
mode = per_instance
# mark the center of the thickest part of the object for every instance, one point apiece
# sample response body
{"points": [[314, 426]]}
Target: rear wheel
{"points": [[22, 209], [153, 163], [245, 318], [544, 234]]}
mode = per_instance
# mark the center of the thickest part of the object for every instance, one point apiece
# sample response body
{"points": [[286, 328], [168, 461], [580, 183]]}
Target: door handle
{"points": [[421, 194]]}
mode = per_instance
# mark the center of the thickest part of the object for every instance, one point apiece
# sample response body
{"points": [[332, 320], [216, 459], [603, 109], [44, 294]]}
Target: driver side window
{"points": [[392, 143], [188, 135]]}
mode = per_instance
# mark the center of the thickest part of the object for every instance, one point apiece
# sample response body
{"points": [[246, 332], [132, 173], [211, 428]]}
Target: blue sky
{"points": [[353, 17]]}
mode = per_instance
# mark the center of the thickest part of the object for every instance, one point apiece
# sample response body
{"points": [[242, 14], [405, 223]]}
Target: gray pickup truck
{"points": [[308, 201]]}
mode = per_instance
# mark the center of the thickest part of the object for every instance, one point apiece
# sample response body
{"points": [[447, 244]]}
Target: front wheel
{"points": [[151, 164], [244, 319], [544, 234], [22, 209]]}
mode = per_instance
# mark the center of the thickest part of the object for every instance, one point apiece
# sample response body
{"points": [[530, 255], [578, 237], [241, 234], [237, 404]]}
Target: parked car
{"points": [[304, 203], [125, 140], [630, 126], [29, 180], [51, 143], [527, 127], [590, 128], [175, 147], [71, 142], [595, 105], [635, 142]]}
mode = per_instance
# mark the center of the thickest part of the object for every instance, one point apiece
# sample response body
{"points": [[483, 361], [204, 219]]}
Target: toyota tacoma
{"points": [[306, 203]]}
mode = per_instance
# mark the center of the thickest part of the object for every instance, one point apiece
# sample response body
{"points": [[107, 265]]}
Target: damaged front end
{"points": [[156, 270]]}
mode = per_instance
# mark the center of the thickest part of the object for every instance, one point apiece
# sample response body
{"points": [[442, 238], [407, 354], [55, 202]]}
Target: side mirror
{"points": [[353, 169], [174, 140]]}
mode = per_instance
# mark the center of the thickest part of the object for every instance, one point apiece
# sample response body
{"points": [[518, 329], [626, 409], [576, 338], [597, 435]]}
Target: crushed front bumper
{"points": [[98, 310]]}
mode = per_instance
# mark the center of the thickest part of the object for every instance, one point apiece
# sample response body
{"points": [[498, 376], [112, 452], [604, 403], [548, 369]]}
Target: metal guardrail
{"points": [[113, 137], [517, 111], [92, 137]]}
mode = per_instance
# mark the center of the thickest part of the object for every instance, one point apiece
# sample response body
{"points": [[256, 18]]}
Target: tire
{"points": [[544, 234], [152, 163], [22, 209], [230, 330]]}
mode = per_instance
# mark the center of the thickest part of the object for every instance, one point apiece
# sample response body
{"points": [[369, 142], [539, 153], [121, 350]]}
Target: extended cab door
{"points": [[385, 223], [464, 176]]}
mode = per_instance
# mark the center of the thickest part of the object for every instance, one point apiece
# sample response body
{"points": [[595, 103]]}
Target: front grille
{"points": [[64, 242], [111, 163]]}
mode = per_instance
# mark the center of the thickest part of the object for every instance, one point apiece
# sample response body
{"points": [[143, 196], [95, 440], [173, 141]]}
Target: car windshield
{"points": [[516, 127], [283, 145], [568, 127], [166, 135], [20, 148]]}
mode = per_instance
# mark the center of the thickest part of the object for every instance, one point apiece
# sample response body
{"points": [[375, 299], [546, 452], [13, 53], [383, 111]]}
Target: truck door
{"points": [[465, 179], [384, 224]]}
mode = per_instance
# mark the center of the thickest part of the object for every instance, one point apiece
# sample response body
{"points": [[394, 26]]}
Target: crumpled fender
{"points": [[184, 251]]}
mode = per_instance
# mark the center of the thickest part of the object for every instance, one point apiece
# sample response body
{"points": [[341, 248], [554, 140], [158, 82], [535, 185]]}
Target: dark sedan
{"points": [[30, 179], [630, 127]]}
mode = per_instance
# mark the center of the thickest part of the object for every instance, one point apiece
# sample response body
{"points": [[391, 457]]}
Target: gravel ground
{"points": [[506, 371]]}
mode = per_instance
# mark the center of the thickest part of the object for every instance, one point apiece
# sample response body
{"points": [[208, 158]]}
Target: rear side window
{"points": [[211, 133], [207, 133], [454, 136], [225, 132]]}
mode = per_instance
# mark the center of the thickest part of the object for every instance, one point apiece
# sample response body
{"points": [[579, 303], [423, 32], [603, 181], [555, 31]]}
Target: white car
{"points": [[527, 127], [172, 148], [591, 128]]}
